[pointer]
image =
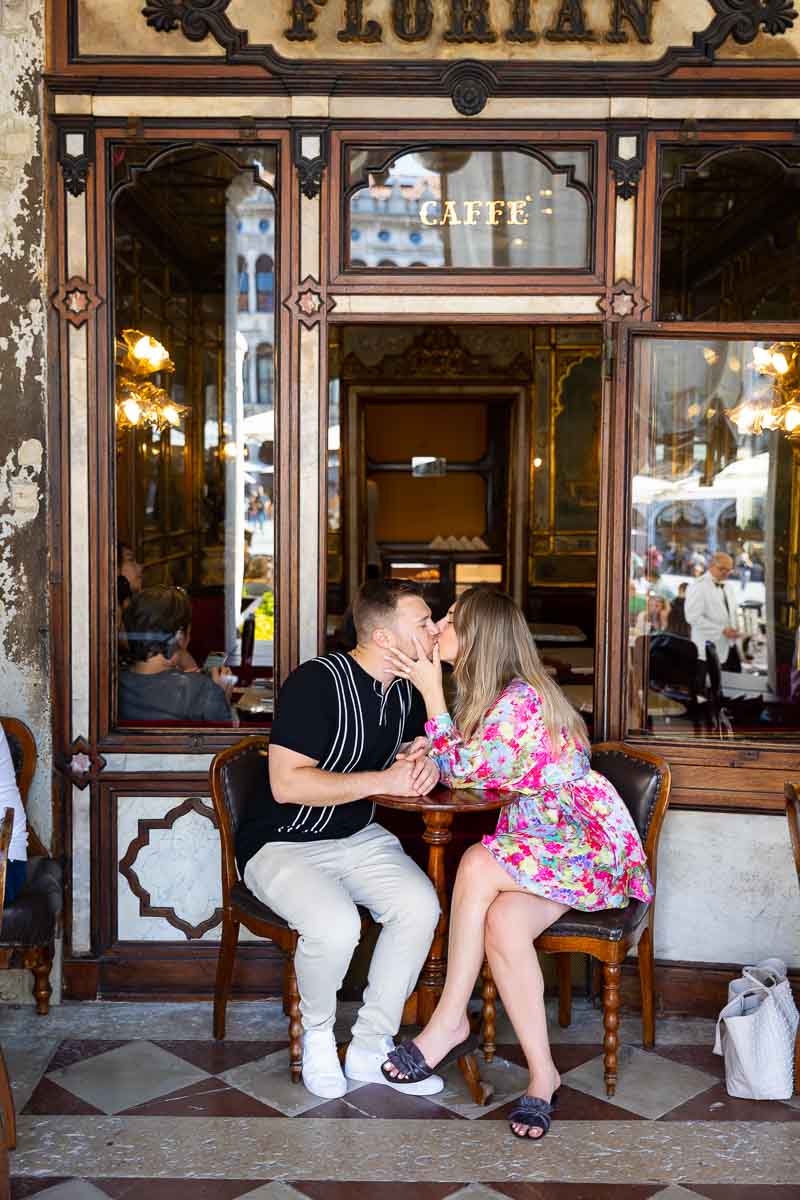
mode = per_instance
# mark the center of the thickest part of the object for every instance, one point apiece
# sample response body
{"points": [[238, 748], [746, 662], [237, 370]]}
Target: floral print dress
{"points": [[569, 837]]}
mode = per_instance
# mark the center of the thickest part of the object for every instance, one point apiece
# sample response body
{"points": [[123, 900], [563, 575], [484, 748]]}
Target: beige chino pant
{"points": [[315, 887]]}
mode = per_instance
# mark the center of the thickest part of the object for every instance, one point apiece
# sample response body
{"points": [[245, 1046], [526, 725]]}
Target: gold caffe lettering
{"points": [[466, 21], [475, 212]]}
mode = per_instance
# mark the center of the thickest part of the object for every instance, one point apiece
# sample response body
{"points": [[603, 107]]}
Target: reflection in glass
{"points": [[730, 248], [713, 589], [451, 206], [194, 255]]}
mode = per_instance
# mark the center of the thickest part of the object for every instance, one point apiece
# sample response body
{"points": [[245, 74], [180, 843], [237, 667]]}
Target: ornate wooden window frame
{"points": [[717, 137], [742, 775], [103, 733], [462, 279]]}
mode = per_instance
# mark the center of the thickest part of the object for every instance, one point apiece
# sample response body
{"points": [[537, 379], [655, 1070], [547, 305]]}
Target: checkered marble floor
{"points": [[138, 1101]]}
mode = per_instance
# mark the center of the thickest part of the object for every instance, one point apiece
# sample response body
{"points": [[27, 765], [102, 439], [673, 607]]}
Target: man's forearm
{"points": [[320, 789]]}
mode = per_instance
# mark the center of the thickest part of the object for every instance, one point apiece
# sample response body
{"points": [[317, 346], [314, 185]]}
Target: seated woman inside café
{"points": [[567, 842], [162, 682], [16, 869]]}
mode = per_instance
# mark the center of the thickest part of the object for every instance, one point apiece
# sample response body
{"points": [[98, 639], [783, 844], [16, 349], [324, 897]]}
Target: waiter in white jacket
{"points": [[711, 612]]}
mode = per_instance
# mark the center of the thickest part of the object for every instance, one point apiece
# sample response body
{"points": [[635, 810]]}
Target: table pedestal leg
{"points": [[431, 981]]}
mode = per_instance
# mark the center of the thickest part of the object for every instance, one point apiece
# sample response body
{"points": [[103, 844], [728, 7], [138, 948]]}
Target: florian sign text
{"points": [[465, 21]]}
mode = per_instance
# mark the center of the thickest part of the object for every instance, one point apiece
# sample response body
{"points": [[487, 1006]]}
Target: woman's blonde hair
{"points": [[495, 646]]}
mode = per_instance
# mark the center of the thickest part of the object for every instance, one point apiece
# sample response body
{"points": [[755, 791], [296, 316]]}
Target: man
{"points": [[347, 729], [710, 609]]}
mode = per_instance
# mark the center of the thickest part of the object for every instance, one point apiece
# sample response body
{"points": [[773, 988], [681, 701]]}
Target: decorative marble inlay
{"points": [[76, 300], [172, 867], [82, 763], [308, 302], [626, 300]]}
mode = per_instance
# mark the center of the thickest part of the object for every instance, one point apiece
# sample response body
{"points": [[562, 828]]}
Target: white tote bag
{"points": [[756, 1031]]}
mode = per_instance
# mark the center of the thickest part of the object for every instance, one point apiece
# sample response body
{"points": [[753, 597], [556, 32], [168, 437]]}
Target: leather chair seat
{"points": [[29, 921], [243, 898], [611, 925]]}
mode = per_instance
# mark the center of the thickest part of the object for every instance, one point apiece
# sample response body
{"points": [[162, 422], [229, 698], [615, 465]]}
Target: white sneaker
{"points": [[322, 1073], [365, 1065]]}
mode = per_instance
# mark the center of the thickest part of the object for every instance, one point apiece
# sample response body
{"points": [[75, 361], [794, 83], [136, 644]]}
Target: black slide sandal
{"points": [[408, 1058], [533, 1113]]}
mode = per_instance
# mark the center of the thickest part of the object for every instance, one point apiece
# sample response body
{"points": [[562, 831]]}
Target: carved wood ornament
{"points": [[76, 300], [82, 763], [308, 302]]}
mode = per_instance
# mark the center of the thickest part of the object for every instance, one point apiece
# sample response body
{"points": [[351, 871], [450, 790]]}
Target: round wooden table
{"points": [[437, 811]]}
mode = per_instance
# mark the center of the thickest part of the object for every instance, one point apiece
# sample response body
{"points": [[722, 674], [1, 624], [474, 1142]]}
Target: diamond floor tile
{"points": [[647, 1084], [508, 1080], [127, 1076], [72, 1189], [268, 1080], [676, 1192], [274, 1191]]}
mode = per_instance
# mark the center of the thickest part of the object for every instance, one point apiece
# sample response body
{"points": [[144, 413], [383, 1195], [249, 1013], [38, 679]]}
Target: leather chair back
{"points": [[236, 774], [643, 782]]}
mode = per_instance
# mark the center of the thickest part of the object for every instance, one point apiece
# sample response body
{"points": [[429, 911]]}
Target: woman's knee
{"points": [[499, 927], [476, 862]]}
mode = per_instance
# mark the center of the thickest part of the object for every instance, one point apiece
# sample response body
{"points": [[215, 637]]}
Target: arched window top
{"points": [[524, 208], [729, 242]]}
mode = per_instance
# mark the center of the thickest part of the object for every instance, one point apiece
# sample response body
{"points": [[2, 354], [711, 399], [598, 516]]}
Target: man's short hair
{"points": [[375, 604], [152, 619]]}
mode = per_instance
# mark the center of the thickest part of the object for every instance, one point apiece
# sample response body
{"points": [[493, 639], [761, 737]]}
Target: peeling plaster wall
{"points": [[24, 653]]}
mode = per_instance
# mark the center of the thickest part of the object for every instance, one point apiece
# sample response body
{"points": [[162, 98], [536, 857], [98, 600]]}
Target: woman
{"points": [[569, 842], [159, 686], [655, 618], [16, 868]]}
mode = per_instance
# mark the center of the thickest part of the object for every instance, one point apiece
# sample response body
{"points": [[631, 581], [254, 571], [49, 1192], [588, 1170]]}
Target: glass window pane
{"points": [[713, 589], [194, 408], [451, 206], [730, 240]]}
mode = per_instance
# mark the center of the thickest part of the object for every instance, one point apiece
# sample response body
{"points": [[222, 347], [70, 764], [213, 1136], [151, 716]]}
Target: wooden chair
{"points": [[29, 925], [8, 1122], [643, 781], [237, 773], [792, 793]]}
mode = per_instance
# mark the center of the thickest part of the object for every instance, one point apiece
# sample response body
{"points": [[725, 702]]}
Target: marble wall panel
{"points": [[727, 889]]}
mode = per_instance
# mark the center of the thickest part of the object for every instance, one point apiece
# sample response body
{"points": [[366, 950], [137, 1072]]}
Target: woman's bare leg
{"points": [[479, 882], [514, 920]]}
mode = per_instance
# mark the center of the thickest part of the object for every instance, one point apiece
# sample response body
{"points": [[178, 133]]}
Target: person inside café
{"points": [[16, 868], [162, 681], [711, 611], [309, 848], [567, 842]]}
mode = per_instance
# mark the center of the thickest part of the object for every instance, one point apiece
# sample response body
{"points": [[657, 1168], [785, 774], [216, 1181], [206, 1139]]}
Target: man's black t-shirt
{"points": [[330, 709]]}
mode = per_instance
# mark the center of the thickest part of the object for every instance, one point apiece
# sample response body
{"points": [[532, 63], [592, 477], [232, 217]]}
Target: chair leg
{"points": [[225, 963], [564, 972], [295, 1024], [480, 1091], [7, 1115], [39, 960], [611, 1002], [647, 984], [489, 995]]}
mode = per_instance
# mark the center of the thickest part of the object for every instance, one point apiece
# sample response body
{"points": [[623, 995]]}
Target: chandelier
{"points": [[777, 404], [141, 402]]}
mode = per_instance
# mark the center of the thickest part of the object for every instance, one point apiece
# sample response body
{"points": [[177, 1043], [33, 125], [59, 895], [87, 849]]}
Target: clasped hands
{"points": [[412, 773]]}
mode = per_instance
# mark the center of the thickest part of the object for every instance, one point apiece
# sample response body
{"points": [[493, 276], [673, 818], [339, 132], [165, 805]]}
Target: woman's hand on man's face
{"points": [[425, 673]]}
